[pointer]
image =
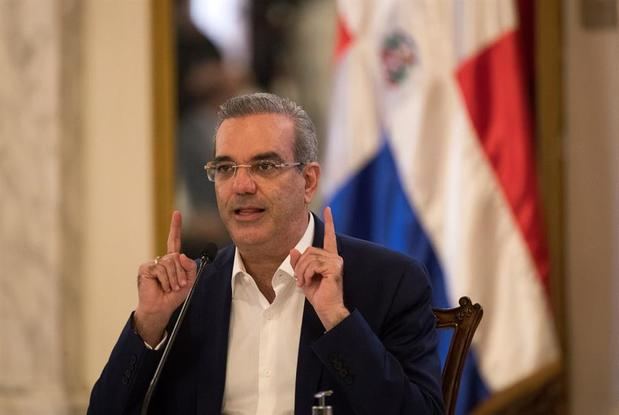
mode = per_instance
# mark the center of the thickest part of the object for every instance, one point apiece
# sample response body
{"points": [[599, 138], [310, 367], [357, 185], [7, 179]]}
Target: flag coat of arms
{"points": [[430, 153]]}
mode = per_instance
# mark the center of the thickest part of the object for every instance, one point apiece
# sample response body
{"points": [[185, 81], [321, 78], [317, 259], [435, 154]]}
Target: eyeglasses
{"points": [[223, 170]]}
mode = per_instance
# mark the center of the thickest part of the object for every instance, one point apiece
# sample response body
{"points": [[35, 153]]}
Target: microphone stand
{"points": [[205, 258]]}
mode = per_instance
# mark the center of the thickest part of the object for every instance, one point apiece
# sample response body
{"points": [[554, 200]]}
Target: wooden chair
{"points": [[464, 321]]}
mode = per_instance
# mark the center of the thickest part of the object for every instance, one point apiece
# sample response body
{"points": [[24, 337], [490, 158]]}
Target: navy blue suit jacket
{"points": [[382, 359]]}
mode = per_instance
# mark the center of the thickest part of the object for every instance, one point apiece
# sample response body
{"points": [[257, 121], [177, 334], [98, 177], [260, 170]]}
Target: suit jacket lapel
{"points": [[309, 368], [213, 321]]}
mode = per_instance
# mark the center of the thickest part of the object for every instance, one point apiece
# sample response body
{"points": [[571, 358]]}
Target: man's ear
{"points": [[311, 174]]}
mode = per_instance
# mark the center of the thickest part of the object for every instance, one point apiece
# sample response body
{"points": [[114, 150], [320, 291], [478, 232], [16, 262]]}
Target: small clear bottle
{"points": [[322, 408]]}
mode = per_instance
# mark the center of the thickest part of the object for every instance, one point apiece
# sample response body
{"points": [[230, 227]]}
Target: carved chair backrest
{"points": [[464, 321]]}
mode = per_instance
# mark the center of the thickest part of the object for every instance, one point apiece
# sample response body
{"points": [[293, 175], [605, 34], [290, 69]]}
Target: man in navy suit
{"points": [[290, 309]]}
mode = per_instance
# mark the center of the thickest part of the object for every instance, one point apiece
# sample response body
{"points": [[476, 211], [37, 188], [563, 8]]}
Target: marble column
{"points": [[39, 207]]}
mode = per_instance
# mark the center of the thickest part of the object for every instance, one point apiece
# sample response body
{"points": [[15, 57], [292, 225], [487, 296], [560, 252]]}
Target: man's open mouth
{"points": [[248, 211]]}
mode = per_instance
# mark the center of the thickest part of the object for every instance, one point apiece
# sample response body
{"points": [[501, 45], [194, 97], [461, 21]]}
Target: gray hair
{"points": [[305, 141]]}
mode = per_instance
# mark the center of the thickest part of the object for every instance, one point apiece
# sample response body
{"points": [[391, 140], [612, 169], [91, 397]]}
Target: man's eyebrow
{"points": [[222, 158], [269, 155]]}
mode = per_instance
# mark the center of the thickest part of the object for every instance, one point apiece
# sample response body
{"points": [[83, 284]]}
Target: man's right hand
{"points": [[163, 285]]}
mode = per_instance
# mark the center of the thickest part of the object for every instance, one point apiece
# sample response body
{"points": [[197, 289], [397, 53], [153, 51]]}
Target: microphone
{"points": [[207, 255]]}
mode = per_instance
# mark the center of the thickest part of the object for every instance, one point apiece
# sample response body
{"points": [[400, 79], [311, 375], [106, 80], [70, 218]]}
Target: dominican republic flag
{"points": [[430, 153]]}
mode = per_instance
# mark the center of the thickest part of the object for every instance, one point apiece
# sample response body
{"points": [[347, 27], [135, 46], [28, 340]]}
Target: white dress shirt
{"points": [[263, 342]]}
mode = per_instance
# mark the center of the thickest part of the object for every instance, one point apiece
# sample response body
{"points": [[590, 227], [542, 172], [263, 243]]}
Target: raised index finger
{"points": [[330, 243], [174, 237]]}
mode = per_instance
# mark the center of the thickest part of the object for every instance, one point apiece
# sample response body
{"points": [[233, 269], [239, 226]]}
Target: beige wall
{"points": [[592, 178], [117, 169], [615, 265]]}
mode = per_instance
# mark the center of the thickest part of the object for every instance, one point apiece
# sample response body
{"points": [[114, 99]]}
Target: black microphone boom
{"points": [[208, 255]]}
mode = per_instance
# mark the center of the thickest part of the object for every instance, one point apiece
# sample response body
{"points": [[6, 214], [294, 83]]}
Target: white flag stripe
{"points": [[444, 170]]}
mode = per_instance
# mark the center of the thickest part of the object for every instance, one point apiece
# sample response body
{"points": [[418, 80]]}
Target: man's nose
{"points": [[243, 182]]}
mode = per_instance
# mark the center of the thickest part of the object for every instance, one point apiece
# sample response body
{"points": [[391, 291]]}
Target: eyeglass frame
{"points": [[252, 164]]}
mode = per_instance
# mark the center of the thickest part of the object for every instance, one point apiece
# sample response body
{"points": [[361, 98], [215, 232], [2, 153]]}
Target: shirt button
{"points": [[268, 315], [266, 373]]}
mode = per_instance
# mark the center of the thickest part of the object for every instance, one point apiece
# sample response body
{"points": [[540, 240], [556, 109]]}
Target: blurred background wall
{"points": [[591, 144], [77, 192], [76, 186]]}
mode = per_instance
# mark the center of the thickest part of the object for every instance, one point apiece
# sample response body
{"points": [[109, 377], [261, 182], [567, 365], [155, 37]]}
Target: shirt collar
{"points": [[238, 267]]}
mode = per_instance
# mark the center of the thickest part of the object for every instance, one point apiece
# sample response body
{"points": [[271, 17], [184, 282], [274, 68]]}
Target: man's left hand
{"points": [[320, 273]]}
